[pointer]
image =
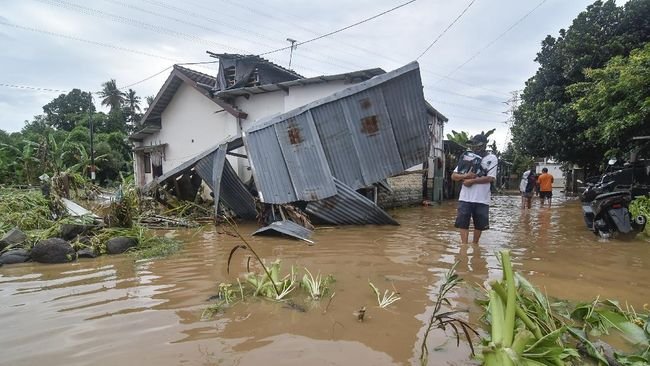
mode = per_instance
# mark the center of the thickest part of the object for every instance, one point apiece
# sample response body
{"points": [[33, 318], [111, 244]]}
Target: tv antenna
{"points": [[293, 47]]}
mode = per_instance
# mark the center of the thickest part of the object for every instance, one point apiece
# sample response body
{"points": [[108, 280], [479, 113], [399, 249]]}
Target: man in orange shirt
{"points": [[545, 182]]}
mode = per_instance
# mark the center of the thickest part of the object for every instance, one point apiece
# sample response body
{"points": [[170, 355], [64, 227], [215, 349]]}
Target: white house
{"points": [[194, 111]]}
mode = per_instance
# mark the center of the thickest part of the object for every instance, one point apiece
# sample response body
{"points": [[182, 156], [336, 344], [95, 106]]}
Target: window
{"points": [[147, 162]]}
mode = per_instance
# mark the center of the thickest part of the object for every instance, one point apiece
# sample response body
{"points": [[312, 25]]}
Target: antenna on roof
{"points": [[293, 47]]}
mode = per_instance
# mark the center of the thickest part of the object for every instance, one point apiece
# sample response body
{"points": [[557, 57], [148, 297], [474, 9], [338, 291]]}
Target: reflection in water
{"points": [[112, 310]]}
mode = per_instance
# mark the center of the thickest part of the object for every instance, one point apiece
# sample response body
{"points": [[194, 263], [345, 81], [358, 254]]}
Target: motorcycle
{"points": [[605, 207]]}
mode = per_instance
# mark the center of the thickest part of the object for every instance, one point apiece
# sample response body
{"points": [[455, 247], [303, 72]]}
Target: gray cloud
{"points": [[35, 58]]}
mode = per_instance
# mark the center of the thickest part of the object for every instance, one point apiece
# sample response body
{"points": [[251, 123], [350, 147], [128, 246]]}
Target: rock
{"points": [[14, 256], [88, 252], [71, 231], [13, 237], [120, 244], [54, 250]]}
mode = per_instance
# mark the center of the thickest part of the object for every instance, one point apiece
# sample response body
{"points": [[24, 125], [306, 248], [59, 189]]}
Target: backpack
{"points": [[470, 162], [528, 182]]}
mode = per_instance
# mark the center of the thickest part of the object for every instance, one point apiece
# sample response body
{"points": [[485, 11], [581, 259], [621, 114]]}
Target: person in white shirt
{"points": [[474, 199]]}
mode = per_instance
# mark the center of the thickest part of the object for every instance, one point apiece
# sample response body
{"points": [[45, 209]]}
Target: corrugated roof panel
{"points": [[235, 195], [286, 227], [232, 192], [364, 138], [349, 208], [269, 168], [372, 133], [407, 104], [340, 151], [304, 158]]}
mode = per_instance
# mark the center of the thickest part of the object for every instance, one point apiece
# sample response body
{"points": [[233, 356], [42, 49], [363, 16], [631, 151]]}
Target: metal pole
{"points": [[293, 42], [92, 144]]}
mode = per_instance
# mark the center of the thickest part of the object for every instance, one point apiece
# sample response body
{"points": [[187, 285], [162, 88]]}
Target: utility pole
{"points": [[293, 47], [92, 144]]}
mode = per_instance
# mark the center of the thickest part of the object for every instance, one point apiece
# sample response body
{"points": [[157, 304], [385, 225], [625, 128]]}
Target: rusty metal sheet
{"points": [[349, 208], [366, 133]]}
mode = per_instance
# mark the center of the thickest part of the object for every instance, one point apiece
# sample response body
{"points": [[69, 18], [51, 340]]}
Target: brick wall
{"points": [[407, 191]]}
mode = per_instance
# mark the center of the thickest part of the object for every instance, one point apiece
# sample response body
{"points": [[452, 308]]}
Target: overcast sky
{"points": [[66, 44]]}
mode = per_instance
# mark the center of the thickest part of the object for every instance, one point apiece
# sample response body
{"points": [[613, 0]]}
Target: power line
{"points": [[466, 107], [14, 86], [209, 29], [74, 38], [340, 42], [340, 29], [446, 29], [496, 39], [140, 24]]}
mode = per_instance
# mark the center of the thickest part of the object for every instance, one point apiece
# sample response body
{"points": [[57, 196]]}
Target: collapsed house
{"points": [[311, 142]]}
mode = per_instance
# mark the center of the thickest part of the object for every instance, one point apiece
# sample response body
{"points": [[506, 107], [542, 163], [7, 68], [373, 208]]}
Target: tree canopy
{"points": [[59, 140], [553, 118]]}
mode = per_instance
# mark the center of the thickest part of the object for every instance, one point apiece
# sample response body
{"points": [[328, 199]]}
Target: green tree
{"points": [[614, 103], [112, 96], [546, 123], [67, 109], [132, 107]]}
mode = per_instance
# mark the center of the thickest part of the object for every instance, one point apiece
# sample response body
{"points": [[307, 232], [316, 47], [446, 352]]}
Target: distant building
{"points": [[555, 169]]}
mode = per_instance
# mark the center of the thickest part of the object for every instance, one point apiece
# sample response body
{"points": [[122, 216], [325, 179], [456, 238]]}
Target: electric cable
{"points": [[446, 29]]}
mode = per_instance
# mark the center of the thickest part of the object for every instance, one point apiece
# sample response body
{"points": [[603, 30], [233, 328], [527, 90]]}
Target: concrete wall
{"points": [[407, 191]]}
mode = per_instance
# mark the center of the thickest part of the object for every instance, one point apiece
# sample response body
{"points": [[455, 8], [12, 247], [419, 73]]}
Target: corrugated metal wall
{"points": [[360, 135], [232, 191]]}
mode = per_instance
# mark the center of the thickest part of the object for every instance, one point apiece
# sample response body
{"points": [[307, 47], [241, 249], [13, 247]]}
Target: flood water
{"points": [[115, 311]]}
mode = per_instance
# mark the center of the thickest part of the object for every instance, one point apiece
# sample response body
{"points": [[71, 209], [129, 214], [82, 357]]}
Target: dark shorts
{"points": [[478, 212], [545, 194]]}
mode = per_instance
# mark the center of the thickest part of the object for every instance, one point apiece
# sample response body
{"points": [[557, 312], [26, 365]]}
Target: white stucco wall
{"points": [[264, 105], [189, 125]]}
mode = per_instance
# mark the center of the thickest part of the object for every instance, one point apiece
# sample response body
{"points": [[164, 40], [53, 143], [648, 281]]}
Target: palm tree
{"points": [[149, 100], [113, 97], [132, 105]]}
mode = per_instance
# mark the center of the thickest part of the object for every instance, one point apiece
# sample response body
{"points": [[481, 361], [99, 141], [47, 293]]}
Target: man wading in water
{"points": [[477, 171]]}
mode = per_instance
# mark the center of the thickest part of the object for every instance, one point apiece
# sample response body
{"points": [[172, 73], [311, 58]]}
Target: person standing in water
{"points": [[545, 182], [474, 199]]}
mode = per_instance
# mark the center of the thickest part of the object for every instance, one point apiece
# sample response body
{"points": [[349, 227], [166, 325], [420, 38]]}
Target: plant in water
{"points": [[385, 300], [524, 330], [316, 286], [226, 293], [440, 320], [272, 286]]}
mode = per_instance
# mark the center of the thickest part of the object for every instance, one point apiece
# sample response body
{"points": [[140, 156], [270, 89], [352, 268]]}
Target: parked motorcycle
{"points": [[605, 207]]}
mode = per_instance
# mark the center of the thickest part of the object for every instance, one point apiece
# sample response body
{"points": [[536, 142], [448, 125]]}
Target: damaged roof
{"points": [[354, 76], [261, 60]]}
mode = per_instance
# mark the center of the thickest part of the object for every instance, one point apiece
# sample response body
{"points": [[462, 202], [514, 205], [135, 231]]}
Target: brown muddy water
{"points": [[114, 311]]}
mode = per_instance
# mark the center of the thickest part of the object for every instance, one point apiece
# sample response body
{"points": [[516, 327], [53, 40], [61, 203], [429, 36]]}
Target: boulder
{"points": [[120, 244], [54, 250], [14, 256], [13, 237], [71, 231], [88, 252]]}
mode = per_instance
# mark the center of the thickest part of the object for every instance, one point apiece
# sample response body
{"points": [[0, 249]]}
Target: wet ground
{"points": [[114, 311]]}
